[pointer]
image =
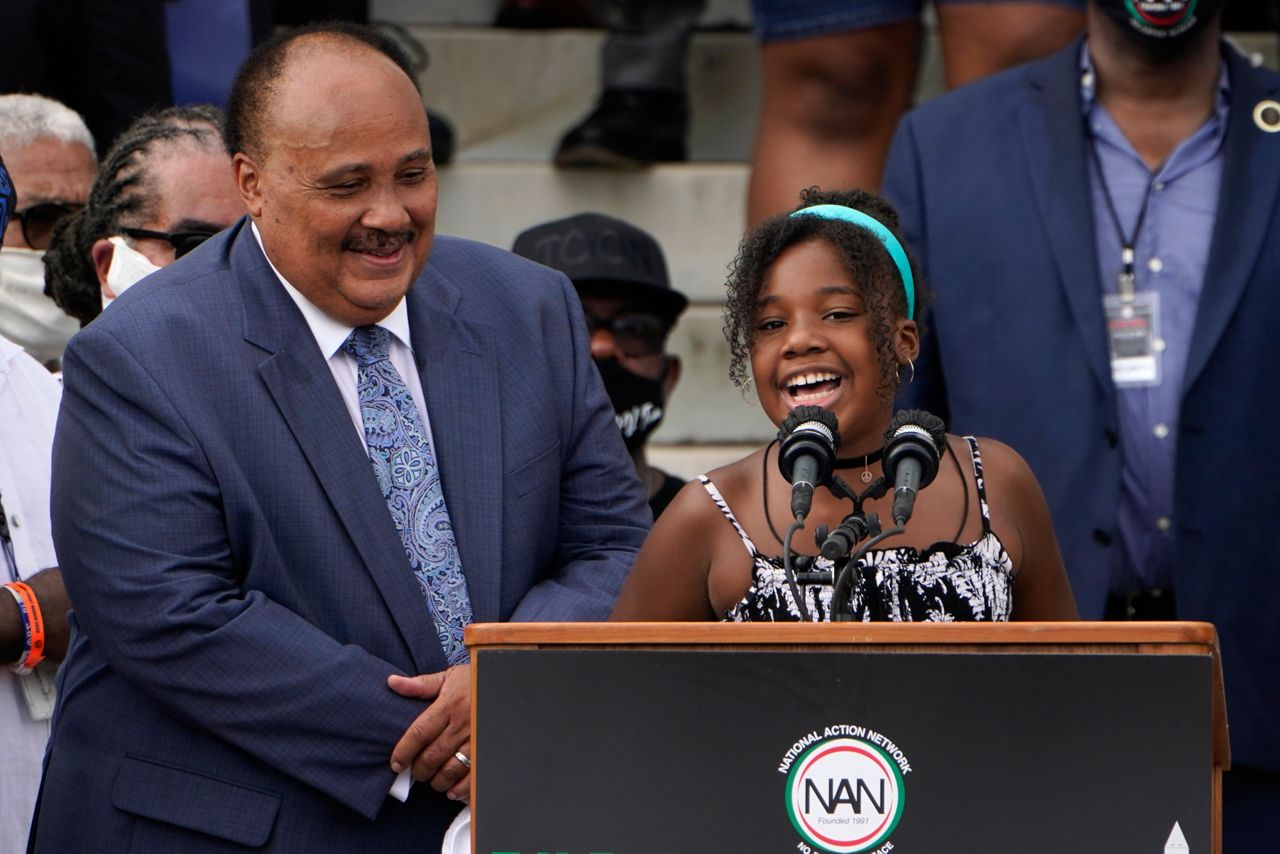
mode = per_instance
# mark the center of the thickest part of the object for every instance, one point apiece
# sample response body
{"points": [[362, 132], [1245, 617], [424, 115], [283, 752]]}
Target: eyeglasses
{"points": [[181, 241], [38, 221], [636, 335]]}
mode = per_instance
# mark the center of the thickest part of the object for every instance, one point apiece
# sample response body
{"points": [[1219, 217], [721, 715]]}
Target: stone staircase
{"points": [[510, 94]]}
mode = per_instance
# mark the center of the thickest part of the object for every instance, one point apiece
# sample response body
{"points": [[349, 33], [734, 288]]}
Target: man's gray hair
{"points": [[26, 118]]}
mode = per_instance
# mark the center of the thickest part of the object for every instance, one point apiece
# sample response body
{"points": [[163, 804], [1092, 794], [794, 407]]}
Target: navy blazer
{"points": [[241, 591], [992, 185]]}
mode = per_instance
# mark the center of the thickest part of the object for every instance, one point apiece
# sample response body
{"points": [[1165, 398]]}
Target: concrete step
{"points": [[696, 211], [480, 13], [689, 461], [511, 94], [706, 407]]}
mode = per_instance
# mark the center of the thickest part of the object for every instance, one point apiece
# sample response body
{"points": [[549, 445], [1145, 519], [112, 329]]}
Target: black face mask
{"points": [[637, 401], [1161, 26]]}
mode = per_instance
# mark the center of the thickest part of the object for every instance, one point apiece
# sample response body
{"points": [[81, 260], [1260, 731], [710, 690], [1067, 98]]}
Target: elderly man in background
{"points": [[50, 156], [33, 605], [289, 470], [164, 187]]}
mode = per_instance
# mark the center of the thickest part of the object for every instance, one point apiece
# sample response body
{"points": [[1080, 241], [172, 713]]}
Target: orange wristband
{"points": [[33, 626]]}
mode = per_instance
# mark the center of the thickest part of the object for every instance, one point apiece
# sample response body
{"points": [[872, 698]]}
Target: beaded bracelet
{"points": [[32, 627]]}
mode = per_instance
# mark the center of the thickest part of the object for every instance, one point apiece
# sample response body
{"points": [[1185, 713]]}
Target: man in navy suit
{"points": [[1100, 229], [247, 602]]}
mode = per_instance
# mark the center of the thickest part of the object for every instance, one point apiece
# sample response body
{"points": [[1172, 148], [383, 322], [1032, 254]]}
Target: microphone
{"points": [[807, 453], [912, 450], [848, 534]]}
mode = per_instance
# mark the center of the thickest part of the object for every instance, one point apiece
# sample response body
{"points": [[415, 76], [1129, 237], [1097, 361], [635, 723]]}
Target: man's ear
{"points": [[907, 341], [102, 252], [248, 182], [672, 377]]}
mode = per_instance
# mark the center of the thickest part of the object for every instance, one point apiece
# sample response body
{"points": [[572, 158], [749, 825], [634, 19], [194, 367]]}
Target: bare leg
{"points": [[983, 38], [829, 108]]}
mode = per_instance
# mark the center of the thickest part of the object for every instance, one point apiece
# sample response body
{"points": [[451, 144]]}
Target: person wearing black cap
{"points": [[621, 277]]}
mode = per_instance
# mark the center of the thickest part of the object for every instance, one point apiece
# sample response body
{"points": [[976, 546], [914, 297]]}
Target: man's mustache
{"points": [[375, 240]]}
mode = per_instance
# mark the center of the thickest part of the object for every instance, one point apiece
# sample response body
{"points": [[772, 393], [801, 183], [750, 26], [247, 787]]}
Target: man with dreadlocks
{"points": [[163, 188]]}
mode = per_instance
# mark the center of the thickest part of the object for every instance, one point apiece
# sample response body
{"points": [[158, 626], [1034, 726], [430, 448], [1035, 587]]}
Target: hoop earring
{"points": [[749, 383], [911, 365]]}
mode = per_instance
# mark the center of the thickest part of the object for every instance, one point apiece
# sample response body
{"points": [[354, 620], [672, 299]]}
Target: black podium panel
{"points": [[666, 752]]}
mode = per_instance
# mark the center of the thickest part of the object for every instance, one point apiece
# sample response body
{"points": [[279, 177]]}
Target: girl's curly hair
{"points": [[864, 256]]}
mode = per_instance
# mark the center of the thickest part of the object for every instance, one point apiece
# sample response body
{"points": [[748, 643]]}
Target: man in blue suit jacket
{"points": [[999, 194], [241, 593]]}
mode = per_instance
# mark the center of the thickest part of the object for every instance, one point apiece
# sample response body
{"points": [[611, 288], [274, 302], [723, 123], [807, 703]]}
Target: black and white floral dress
{"points": [[944, 583]]}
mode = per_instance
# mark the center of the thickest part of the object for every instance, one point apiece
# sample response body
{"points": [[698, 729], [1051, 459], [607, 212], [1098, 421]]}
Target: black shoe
{"points": [[544, 15], [629, 129]]}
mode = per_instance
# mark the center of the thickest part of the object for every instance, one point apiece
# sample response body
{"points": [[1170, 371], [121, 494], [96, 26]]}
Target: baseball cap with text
{"points": [[595, 249]]}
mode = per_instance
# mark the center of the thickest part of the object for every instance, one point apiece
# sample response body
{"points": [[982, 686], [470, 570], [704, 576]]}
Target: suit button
{"points": [[1113, 439], [1101, 537]]}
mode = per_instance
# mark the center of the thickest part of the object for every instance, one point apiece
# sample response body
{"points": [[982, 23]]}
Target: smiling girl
{"points": [[824, 305]]}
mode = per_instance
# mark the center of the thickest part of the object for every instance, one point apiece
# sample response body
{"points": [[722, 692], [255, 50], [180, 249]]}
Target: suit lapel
{"points": [[1050, 122], [299, 381], [1246, 201], [457, 361]]}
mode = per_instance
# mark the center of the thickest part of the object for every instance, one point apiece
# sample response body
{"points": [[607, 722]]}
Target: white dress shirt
{"points": [[330, 335], [29, 397]]}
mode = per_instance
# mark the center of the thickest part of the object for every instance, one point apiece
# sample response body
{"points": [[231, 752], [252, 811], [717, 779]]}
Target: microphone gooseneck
{"points": [[808, 441], [913, 449]]}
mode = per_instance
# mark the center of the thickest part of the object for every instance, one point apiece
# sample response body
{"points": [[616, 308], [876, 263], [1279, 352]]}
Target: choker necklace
{"points": [[867, 460]]}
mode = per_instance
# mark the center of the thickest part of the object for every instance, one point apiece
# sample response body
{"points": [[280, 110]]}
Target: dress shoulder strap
{"points": [[979, 483], [728, 514]]}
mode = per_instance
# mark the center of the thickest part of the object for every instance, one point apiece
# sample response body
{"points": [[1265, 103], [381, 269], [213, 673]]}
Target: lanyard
{"points": [[6, 545], [1127, 242]]}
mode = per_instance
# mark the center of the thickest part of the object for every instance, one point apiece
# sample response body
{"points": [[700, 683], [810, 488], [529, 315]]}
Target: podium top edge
{"points": [[792, 634]]}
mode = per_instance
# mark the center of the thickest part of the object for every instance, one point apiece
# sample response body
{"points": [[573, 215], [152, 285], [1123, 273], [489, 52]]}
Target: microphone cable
{"points": [[788, 568]]}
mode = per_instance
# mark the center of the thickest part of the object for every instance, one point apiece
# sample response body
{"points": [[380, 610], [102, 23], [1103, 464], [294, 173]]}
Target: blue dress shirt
{"points": [[1171, 255]]}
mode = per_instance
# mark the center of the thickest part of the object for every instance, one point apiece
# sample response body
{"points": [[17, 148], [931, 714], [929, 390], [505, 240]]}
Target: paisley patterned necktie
{"points": [[405, 466]]}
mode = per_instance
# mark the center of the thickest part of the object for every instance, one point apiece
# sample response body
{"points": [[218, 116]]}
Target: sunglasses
{"points": [[38, 221], [637, 335], [181, 241]]}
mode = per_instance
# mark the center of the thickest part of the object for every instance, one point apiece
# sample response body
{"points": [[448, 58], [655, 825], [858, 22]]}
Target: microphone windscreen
{"points": [[918, 435], [803, 414], [808, 431], [930, 423]]}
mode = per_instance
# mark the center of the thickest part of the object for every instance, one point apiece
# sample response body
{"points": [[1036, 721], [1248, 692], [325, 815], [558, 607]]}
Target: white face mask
{"points": [[128, 267], [28, 318]]}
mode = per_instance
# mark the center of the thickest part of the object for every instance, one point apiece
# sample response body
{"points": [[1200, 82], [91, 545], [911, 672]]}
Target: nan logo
{"points": [[845, 791]]}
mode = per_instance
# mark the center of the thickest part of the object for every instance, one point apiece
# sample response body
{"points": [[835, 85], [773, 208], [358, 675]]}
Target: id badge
{"points": [[38, 690], [1133, 335]]}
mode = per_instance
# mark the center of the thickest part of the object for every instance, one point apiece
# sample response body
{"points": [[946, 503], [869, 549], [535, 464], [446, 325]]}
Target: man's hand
{"points": [[429, 745]]}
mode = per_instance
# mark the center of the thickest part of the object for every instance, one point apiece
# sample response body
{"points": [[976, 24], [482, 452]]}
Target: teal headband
{"points": [[873, 225]]}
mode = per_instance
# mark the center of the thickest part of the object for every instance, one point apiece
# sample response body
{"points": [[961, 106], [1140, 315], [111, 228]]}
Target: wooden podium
{"points": [[665, 738]]}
